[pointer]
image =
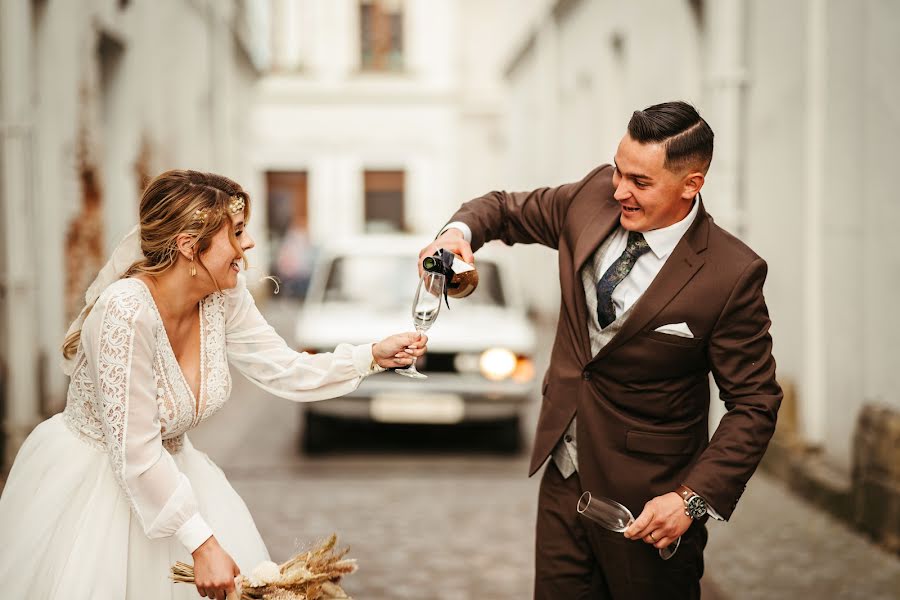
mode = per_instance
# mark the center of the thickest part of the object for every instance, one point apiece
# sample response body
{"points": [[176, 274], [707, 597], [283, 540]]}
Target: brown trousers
{"points": [[576, 559]]}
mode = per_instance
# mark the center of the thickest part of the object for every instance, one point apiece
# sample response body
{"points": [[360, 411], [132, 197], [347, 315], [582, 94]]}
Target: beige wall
{"points": [[175, 96], [836, 61]]}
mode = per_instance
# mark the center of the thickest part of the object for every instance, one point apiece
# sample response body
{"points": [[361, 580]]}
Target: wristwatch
{"points": [[694, 505]]}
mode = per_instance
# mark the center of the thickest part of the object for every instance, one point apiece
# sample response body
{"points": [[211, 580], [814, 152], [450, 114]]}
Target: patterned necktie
{"points": [[619, 270]]}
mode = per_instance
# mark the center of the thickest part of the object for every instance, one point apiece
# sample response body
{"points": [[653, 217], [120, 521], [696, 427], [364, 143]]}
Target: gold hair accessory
{"points": [[200, 215], [235, 205]]}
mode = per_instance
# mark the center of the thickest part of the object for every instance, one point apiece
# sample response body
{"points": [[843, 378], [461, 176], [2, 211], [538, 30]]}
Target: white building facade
{"points": [[388, 111], [96, 97]]}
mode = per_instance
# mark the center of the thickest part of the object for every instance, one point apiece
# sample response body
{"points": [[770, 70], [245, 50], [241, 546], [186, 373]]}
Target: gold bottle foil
{"points": [[463, 284]]}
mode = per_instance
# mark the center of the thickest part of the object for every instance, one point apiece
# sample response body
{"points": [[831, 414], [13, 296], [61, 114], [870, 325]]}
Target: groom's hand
{"points": [[661, 522], [453, 240]]}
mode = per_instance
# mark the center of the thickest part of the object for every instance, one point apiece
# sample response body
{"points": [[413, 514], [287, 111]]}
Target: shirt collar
{"points": [[663, 241]]}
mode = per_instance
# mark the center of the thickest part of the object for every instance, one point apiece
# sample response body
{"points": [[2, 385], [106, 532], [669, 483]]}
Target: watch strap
{"points": [[685, 492]]}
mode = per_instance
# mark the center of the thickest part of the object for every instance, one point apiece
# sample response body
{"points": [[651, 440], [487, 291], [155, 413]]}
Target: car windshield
{"points": [[390, 282]]}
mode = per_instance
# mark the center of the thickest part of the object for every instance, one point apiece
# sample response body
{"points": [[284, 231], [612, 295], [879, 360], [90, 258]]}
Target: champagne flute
{"points": [[426, 307], [615, 517]]}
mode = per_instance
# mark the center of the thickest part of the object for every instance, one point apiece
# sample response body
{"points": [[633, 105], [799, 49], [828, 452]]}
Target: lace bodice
{"points": [[128, 396], [178, 410]]}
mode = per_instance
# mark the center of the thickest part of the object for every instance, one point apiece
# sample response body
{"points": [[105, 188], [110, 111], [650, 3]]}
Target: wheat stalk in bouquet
{"points": [[312, 575]]}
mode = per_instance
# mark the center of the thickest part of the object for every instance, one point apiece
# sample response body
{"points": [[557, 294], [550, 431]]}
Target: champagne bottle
{"points": [[462, 278]]}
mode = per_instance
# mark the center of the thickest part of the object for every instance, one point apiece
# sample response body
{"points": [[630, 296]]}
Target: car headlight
{"points": [[497, 364]]}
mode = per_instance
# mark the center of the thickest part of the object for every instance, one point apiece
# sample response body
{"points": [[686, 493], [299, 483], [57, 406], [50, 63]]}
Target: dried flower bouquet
{"points": [[312, 575]]}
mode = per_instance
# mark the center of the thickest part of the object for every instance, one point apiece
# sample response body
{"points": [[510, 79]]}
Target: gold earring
{"points": [[193, 268]]}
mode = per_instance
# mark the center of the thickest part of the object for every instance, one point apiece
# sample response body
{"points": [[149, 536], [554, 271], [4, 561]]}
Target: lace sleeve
{"points": [[262, 356], [118, 339]]}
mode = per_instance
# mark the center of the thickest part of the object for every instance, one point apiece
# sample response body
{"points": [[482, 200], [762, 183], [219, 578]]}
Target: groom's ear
{"points": [[185, 244]]}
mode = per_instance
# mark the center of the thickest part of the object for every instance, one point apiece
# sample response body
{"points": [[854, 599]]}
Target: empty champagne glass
{"points": [[615, 517], [426, 307]]}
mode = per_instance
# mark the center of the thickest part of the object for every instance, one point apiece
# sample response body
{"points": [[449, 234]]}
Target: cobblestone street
{"points": [[443, 527], [777, 546]]}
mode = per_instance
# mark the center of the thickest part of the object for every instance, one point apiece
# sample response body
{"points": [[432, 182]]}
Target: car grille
{"points": [[437, 362]]}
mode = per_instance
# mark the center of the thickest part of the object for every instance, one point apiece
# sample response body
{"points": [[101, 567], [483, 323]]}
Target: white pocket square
{"points": [[679, 329]]}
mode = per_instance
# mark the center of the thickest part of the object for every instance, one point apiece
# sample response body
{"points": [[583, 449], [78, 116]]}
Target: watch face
{"points": [[696, 507]]}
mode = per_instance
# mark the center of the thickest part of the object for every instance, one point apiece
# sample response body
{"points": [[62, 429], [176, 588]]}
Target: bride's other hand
{"points": [[399, 350], [214, 570]]}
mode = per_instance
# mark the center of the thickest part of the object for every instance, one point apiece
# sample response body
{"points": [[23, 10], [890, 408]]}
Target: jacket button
{"points": [[586, 375], [568, 438]]}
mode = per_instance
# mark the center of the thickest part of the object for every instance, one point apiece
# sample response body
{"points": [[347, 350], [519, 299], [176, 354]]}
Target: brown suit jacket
{"points": [[643, 401]]}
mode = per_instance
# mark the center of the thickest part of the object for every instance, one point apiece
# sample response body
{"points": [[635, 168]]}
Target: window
{"points": [[384, 201], [287, 204], [381, 34]]}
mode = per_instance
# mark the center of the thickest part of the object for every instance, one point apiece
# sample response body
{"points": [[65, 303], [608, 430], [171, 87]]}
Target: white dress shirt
{"points": [[661, 241]]}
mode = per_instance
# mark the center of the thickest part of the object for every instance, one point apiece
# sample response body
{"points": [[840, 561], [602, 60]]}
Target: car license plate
{"points": [[418, 408]]}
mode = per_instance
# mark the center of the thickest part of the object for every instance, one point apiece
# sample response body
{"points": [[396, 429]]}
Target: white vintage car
{"points": [[480, 352]]}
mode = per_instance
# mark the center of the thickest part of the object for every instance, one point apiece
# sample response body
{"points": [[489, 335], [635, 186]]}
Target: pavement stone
{"points": [[778, 546]]}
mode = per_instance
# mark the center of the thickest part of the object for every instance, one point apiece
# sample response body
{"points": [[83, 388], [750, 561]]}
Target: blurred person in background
{"points": [[655, 296], [105, 497], [296, 257]]}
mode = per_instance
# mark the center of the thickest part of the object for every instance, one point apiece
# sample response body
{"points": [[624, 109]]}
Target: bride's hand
{"points": [[399, 350], [214, 570]]}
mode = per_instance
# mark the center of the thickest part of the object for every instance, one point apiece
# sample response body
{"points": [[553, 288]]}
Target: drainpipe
{"points": [[19, 280]]}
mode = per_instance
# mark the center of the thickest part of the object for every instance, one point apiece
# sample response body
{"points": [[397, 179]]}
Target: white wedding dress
{"points": [[105, 497]]}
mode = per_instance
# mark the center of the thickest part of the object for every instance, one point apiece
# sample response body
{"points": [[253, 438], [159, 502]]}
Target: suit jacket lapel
{"points": [[597, 228], [682, 265]]}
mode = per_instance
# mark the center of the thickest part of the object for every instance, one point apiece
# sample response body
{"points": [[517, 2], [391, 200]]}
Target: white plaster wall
{"points": [[181, 82], [881, 41], [479, 64], [773, 168], [859, 257], [862, 216]]}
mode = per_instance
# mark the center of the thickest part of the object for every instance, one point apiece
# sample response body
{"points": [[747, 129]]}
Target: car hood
{"points": [[460, 329]]}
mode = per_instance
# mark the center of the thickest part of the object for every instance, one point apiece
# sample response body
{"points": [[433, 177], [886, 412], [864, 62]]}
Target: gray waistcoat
{"points": [[565, 454]]}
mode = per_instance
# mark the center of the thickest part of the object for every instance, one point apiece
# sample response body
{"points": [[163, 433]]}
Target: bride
{"points": [[103, 498]]}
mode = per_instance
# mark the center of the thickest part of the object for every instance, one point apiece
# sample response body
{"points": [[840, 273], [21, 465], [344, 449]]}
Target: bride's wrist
{"points": [[375, 352], [205, 547]]}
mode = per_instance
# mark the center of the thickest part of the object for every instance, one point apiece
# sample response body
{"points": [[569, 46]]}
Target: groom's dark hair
{"points": [[688, 139]]}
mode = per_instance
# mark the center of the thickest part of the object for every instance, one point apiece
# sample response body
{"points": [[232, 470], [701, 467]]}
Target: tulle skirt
{"points": [[67, 530]]}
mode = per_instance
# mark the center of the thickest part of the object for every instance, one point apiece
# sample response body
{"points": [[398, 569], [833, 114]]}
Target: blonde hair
{"points": [[178, 203]]}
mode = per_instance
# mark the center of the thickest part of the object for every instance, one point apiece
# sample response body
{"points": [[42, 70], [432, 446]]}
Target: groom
{"points": [[655, 296]]}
